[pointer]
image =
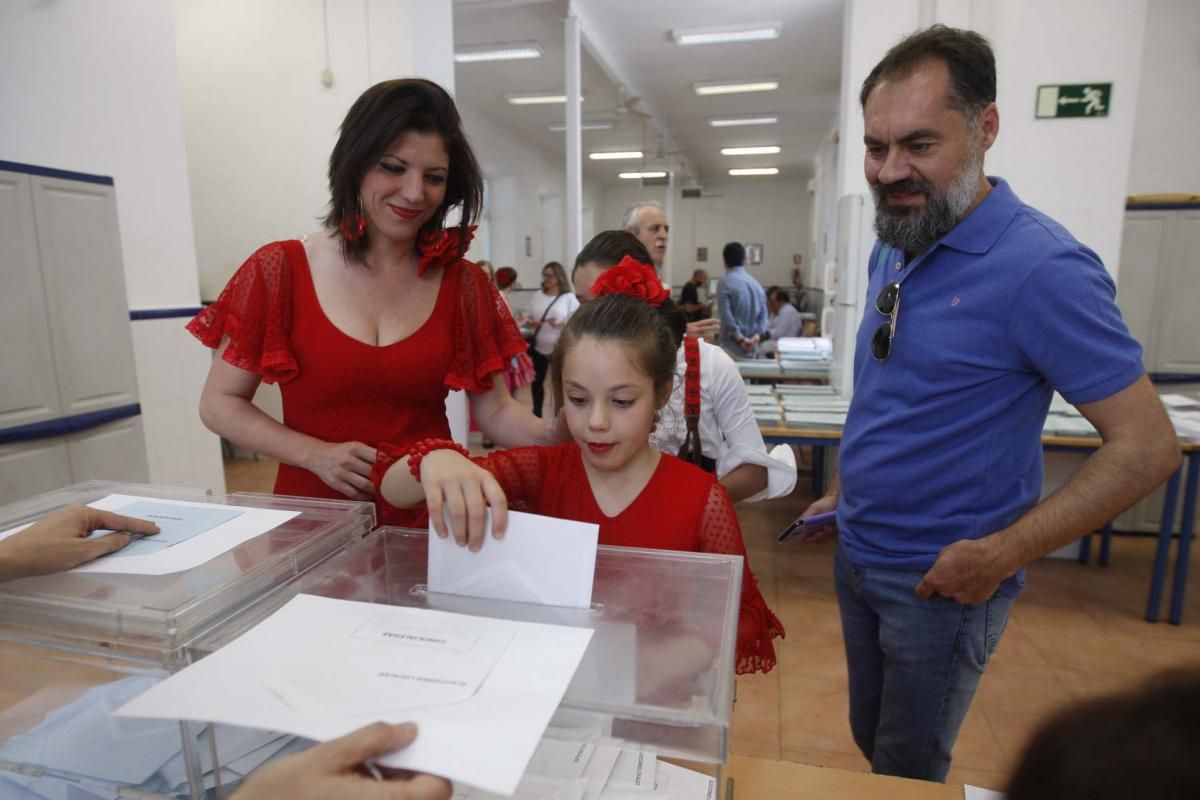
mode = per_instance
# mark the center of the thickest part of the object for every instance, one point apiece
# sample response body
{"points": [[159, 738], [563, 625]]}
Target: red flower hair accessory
{"points": [[633, 278], [439, 248]]}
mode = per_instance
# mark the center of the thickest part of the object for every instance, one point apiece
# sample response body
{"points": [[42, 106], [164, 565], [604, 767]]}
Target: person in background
{"points": [[694, 297], [799, 290], [647, 220], [783, 320], [1136, 743], [63, 540], [506, 282], [723, 438], [369, 323], [980, 307], [742, 304], [334, 769], [548, 312]]}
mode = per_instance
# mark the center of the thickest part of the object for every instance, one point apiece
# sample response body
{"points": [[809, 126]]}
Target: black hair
{"points": [[609, 247], [1139, 743], [734, 254], [967, 55], [626, 320], [378, 117]]}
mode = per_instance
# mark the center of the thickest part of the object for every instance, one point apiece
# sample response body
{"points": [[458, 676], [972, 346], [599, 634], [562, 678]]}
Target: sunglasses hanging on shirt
{"points": [[888, 304]]}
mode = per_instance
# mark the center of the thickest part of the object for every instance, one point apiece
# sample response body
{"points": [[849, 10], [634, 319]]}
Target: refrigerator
{"points": [[846, 281]]}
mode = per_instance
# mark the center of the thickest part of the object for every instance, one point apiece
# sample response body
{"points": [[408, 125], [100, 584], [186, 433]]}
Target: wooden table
{"points": [[763, 779]]}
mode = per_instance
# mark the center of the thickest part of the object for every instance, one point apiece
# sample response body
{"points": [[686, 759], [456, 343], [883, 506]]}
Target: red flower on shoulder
{"points": [[633, 278], [439, 248]]}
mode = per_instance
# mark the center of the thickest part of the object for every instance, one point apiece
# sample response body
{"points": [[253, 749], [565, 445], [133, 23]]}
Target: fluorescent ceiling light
{"points": [[729, 122], [633, 176], [615, 155], [586, 126], [536, 98], [505, 51], [744, 32], [755, 171], [768, 150], [734, 87]]}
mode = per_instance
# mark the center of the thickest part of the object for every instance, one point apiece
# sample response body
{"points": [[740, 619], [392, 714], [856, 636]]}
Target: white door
{"points": [[28, 386], [83, 274]]}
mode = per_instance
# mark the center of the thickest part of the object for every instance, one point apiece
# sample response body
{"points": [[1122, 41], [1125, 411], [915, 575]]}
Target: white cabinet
{"points": [[68, 386]]}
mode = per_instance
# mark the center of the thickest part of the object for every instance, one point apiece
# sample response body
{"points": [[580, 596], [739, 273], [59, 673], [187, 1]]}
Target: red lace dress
{"points": [[338, 389], [698, 518]]}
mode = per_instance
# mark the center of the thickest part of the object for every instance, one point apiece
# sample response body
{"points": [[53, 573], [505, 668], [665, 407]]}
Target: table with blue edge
{"points": [[1188, 473]]}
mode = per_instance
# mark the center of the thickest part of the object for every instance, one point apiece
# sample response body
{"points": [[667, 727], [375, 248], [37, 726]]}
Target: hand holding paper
{"points": [[332, 770]]}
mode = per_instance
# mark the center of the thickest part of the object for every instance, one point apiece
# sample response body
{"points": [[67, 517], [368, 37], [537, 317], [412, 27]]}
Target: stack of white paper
{"points": [[1184, 411], [805, 349], [321, 668], [573, 764]]}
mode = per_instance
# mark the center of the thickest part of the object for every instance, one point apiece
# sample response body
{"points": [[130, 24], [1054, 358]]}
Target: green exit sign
{"points": [[1074, 100]]}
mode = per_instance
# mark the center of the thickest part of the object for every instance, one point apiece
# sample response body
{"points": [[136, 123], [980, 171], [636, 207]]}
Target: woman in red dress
{"points": [[367, 324], [612, 371]]}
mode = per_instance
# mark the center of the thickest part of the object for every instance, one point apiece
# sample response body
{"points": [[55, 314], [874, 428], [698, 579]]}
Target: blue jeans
{"points": [[913, 664]]}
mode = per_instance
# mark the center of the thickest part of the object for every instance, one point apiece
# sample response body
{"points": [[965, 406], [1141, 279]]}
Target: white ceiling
{"points": [[629, 42]]}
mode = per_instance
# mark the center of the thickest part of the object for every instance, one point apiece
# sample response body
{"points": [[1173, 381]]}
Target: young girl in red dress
{"points": [[612, 370]]}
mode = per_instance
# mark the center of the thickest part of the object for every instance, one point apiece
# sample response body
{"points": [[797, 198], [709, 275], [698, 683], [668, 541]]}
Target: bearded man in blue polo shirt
{"points": [[979, 308]]}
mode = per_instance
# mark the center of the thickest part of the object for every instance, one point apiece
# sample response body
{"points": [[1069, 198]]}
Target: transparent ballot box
{"points": [[659, 671], [77, 645]]}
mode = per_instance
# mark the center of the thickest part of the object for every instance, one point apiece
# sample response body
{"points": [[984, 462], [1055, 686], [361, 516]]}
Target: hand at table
{"points": [[463, 490], [60, 541], [333, 769], [344, 467], [968, 571]]}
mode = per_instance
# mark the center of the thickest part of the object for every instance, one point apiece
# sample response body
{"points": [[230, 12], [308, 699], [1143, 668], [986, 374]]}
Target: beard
{"points": [[915, 229]]}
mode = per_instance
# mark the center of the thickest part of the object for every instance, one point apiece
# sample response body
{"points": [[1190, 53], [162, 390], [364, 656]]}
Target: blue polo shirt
{"points": [[943, 439]]}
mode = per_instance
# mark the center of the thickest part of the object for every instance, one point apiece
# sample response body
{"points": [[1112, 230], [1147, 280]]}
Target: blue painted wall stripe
{"points": [[75, 423], [164, 313], [50, 172]]}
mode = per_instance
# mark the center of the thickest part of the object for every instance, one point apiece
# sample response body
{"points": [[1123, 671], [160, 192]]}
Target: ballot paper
{"points": [[499, 725], [539, 560], [194, 533], [175, 524]]}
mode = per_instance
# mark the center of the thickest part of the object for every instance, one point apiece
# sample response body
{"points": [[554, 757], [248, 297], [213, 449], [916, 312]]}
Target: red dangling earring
{"points": [[354, 228]]}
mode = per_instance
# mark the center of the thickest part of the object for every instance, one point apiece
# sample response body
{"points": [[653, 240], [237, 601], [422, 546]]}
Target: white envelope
{"points": [[540, 560]]}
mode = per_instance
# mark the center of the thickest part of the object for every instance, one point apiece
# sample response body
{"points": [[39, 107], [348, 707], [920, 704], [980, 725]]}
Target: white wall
{"points": [[94, 87], [765, 209], [1168, 103], [260, 124], [1075, 170], [518, 176]]}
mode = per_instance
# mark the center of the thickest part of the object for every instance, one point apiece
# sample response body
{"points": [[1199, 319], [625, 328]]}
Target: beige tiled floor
{"points": [[1075, 631]]}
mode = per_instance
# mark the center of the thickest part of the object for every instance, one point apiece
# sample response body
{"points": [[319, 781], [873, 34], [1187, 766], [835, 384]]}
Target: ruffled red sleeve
{"points": [[485, 335], [757, 624], [255, 312]]}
